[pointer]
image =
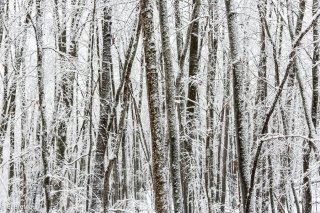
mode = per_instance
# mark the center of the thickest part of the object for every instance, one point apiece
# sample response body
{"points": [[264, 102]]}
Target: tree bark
{"points": [[236, 83], [105, 95], [225, 161], [191, 110], [171, 112], [212, 66], [158, 144], [42, 107]]}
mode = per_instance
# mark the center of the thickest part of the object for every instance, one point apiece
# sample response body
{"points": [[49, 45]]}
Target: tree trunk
{"points": [[105, 95], [42, 108], [191, 110], [225, 161], [212, 66], [158, 144], [171, 112], [236, 83]]}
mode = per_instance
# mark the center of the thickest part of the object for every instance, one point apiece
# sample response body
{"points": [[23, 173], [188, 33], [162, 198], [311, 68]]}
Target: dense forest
{"points": [[159, 106]]}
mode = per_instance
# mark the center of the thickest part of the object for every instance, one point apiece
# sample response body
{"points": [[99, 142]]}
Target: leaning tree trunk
{"points": [[129, 57], [268, 115], [171, 112], [158, 144], [307, 200]]}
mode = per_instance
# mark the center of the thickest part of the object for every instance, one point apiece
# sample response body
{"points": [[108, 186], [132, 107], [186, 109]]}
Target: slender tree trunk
{"points": [[236, 83], [268, 115], [158, 144], [62, 91], [260, 101], [12, 112], [307, 200], [171, 112], [212, 66], [225, 161], [4, 116], [105, 109], [188, 194], [42, 108]]}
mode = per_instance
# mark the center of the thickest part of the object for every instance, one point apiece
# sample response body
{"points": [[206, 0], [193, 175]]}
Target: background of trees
{"points": [[159, 106]]}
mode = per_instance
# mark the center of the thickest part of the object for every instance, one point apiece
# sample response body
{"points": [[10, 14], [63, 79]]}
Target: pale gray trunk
{"points": [[42, 108], [212, 66], [236, 83], [105, 95], [171, 112]]}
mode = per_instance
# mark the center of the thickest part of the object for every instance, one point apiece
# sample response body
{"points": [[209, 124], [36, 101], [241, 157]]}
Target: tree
{"points": [[236, 84], [105, 107], [158, 148], [171, 112]]}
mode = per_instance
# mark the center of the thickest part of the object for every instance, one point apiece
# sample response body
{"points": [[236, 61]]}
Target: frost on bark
{"points": [[296, 43], [158, 144], [171, 112], [124, 84], [297, 70], [236, 70], [225, 141], [191, 110], [260, 100], [212, 66], [42, 108], [315, 67], [105, 94], [4, 116], [309, 116], [61, 91]]}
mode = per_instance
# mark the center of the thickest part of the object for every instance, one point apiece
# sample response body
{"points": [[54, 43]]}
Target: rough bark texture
{"points": [[191, 109], [236, 83], [158, 143], [105, 95], [171, 111], [212, 66], [260, 101], [42, 108]]}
